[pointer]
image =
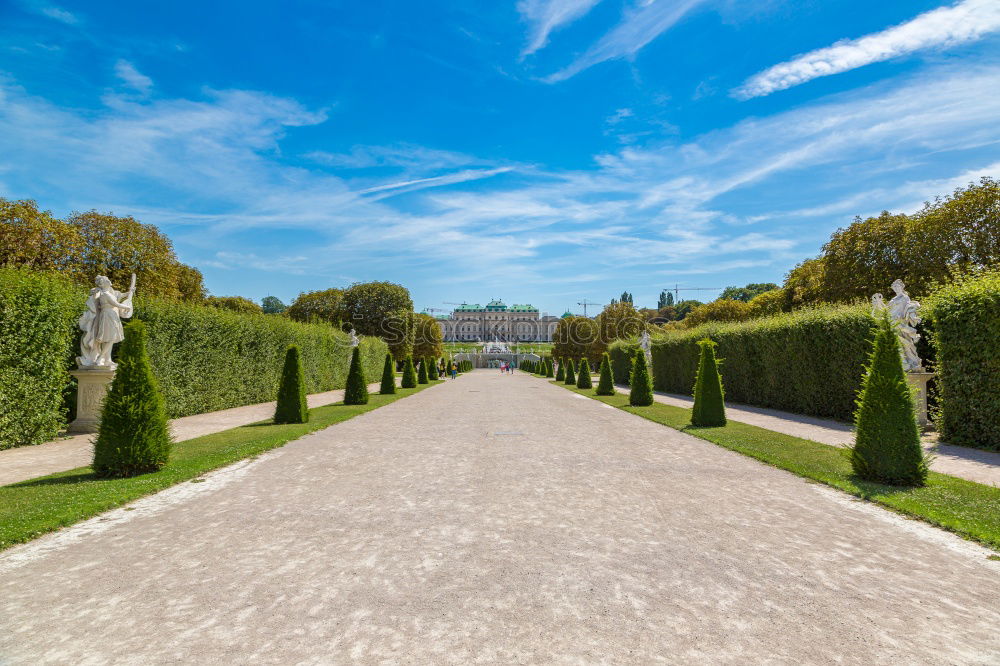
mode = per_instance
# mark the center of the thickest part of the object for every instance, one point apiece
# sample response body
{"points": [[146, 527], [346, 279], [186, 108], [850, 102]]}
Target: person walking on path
{"points": [[454, 369]]}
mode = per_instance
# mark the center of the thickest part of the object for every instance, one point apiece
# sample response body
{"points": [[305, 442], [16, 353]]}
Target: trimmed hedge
{"points": [[886, 438], [622, 352], [709, 409], [291, 406], [206, 359], [356, 391], [134, 437], [38, 314], [965, 325], [809, 362]]}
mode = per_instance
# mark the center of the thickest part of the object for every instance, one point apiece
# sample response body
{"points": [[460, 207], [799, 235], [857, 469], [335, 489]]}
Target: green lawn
{"points": [[31, 508], [969, 509]]}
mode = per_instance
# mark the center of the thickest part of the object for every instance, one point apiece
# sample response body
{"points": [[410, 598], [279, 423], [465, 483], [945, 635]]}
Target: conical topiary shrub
{"points": [[356, 392], [606, 384], [570, 374], [540, 370], [887, 439], [422, 371], [388, 386], [583, 377], [548, 369], [709, 409], [292, 407], [133, 437], [409, 374], [641, 393], [561, 373]]}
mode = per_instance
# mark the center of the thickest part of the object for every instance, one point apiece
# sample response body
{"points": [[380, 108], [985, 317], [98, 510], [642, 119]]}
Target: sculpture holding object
{"points": [[101, 323], [902, 311]]}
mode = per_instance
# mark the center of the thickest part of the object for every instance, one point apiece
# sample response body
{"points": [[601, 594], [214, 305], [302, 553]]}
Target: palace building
{"points": [[495, 320]]}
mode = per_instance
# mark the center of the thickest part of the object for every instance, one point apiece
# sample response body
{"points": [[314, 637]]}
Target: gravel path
{"points": [[28, 462], [499, 519], [972, 464]]}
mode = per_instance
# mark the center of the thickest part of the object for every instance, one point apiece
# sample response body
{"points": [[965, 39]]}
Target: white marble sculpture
{"points": [[903, 314], [101, 323], [646, 346], [354, 338]]}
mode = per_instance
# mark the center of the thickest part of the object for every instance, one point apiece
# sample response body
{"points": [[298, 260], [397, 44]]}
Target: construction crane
{"points": [[585, 303], [677, 289], [434, 310], [450, 303]]}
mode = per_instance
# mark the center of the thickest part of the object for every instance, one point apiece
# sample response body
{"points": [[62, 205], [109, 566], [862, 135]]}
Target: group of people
{"points": [[447, 369], [506, 367]]}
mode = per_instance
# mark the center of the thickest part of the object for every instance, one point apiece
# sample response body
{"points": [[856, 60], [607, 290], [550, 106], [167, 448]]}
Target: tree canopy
{"points": [[322, 305], [748, 292], [272, 305], [89, 244], [234, 303]]}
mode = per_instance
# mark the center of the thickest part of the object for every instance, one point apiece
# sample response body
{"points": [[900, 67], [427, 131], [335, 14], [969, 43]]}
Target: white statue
{"points": [[354, 338], [101, 323], [646, 346], [903, 314]]}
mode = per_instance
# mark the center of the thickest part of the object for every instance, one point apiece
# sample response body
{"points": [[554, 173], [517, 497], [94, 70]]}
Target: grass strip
{"points": [[31, 508], [969, 509]]}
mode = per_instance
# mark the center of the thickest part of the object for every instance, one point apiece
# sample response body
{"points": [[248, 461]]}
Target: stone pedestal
{"points": [[918, 382], [92, 386]]}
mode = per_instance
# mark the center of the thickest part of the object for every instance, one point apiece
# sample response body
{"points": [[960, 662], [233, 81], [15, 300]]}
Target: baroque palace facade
{"points": [[517, 323]]}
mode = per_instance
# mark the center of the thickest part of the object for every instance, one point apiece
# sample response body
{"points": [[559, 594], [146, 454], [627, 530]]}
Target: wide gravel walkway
{"points": [[499, 519]]}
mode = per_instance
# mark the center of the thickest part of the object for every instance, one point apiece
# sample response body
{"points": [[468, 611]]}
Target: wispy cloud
{"points": [[640, 25], [59, 14], [966, 21], [401, 155], [132, 77], [211, 171], [545, 16]]}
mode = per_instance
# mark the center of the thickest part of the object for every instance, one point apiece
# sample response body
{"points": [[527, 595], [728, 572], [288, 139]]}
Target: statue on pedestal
{"points": [[903, 314], [354, 338], [101, 323]]}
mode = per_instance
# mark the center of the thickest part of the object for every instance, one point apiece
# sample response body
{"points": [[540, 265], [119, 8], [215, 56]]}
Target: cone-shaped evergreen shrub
{"points": [[548, 368], [709, 404], [583, 377], [606, 384], [887, 440], [570, 374], [540, 368], [292, 407], [561, 373], [388, 386], [409, 374], [356, 392], [133, 437], [422, 371], [641, 393]]}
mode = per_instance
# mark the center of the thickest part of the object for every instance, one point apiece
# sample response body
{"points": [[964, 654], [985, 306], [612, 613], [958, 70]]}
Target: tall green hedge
{"points": [[38, 314], [965, 324], [206, 359], [621, 353], [808, 362]]}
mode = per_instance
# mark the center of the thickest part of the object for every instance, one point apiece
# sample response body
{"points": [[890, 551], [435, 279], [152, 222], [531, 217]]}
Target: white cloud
{"points": [[545, 16], [59, 14], [404, 155], [640, 25], [132, 77], [211, 172], [966, 21]]}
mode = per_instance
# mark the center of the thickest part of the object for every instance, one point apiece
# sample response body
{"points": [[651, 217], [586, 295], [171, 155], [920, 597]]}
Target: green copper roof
{"points": [[469, 307], [523, 308], [495, 306], [567, 314]]}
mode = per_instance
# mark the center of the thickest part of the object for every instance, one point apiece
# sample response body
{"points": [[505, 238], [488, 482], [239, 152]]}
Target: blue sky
{"points": [[540, 151]]}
